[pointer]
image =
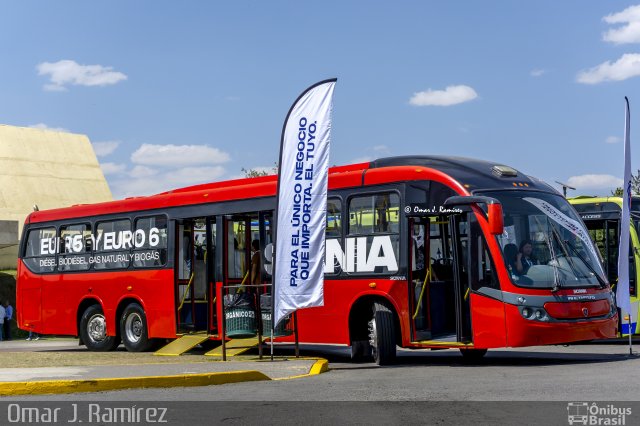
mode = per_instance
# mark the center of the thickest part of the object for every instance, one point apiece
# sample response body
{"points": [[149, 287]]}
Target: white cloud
{"points": [[626, 67], [43, 126], [178, 155], [112, 168], [629, 32], [381, 148], [142, 172], [612, 139], [105, 148], [69, 73], [594, 182], [452, 95], [537, 72], [164, 181]]}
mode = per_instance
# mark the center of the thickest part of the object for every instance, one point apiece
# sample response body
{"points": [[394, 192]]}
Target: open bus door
{"points": [[195, 253], [245, 269], [438, 255], [456, 264]]}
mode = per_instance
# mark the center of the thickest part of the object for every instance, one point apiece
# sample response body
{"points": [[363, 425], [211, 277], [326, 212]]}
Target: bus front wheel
{"points": [[133, 329], [382, 336], [93, 331]]}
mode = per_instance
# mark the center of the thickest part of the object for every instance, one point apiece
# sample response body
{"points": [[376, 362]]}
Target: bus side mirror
{"points": [[495, 219]]}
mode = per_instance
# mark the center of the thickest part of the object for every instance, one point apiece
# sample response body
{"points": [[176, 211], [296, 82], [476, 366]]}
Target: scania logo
{"points": [[585, 312]]}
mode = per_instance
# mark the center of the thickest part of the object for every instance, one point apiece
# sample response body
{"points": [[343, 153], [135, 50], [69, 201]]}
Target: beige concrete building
{"points": [[46, 168]]}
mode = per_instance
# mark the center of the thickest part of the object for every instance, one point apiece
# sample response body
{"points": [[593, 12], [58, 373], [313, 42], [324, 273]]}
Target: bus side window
{"points": [[110, 242], [375, 217], [150, 241], [334, 218], [73, 250], [40, 250]]}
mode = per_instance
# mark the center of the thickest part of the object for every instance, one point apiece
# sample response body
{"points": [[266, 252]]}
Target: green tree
{"points": [[635, 186], [252, 173]]}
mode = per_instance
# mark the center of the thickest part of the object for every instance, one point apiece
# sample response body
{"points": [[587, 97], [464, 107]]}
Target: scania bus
{"points": [[601, 216], [420, 253]]}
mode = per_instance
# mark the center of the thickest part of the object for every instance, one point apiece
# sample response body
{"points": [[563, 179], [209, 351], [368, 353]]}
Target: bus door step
{"points": [[182, 345], [235, 347]]}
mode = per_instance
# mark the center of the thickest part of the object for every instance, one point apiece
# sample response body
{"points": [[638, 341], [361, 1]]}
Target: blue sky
{"points": [[179, 93]]}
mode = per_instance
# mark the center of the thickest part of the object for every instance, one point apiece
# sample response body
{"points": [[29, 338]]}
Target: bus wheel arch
{"points": [[92, 327], [134, 327], [374, 314]]}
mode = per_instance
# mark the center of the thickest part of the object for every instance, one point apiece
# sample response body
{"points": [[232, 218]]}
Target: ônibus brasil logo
{"points": [[583, 413]]}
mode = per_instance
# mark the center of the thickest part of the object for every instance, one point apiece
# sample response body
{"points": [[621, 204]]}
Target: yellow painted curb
{"points": [[180, 380], [99, 385], [320, 366]]}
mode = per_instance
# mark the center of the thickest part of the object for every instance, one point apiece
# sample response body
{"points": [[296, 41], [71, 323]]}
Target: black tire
{"points": [[93, 331], [473, 355], [382, 335], [133, 329]]}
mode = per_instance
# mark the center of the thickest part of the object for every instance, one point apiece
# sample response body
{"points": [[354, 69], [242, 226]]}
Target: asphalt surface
{"points": [[597, 372], [540, 385]]}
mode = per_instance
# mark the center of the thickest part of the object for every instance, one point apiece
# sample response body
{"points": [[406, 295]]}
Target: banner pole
{"points": [[630, 340], [295, 332]]}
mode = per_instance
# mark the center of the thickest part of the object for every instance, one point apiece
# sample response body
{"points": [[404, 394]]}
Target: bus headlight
{"points": [[541, 315], [535, 314], [526, 312]]}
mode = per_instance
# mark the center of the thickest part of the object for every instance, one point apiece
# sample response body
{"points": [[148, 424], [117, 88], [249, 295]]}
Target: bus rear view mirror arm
{"points": [[494, 209]]}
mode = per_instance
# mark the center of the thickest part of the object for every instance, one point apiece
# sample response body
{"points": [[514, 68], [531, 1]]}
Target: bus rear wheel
{"points": [[133, 329], [382, 335], [93, 331]]}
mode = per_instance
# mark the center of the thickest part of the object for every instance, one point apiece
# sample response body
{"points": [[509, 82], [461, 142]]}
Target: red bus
{"points": [[421, 252]]}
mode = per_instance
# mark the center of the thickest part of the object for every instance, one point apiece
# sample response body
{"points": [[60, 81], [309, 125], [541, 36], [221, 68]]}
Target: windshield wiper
{"points": [[602, 283]]}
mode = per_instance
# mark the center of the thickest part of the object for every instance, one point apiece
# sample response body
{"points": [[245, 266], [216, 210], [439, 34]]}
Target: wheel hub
{"points": [[97, 328], [133, 327]]}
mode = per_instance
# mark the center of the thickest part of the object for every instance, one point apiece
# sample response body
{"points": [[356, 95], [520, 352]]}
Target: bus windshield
{"points": [[545, 244]]}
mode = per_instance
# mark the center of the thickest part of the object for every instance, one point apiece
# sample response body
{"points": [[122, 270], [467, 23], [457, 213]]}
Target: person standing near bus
{"points": [[524, 258], [2, 315], [8, 315]]}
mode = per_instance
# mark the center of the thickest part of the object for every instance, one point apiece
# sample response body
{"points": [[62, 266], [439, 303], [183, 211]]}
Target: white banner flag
{"points": [[302, 201], [622, 288]]}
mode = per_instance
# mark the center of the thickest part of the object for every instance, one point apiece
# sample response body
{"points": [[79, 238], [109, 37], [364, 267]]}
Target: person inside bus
{"points": [[382, 206], [525, 258], [510, 253], [255, 262]]}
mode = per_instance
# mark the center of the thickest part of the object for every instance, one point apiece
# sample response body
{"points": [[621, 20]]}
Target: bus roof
{"points": [[466, 174], [472, 173], [613, 205]]}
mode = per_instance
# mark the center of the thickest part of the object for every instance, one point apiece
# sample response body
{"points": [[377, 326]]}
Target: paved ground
{"points": [[423, 387], [547, 373], [61, 366]]}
